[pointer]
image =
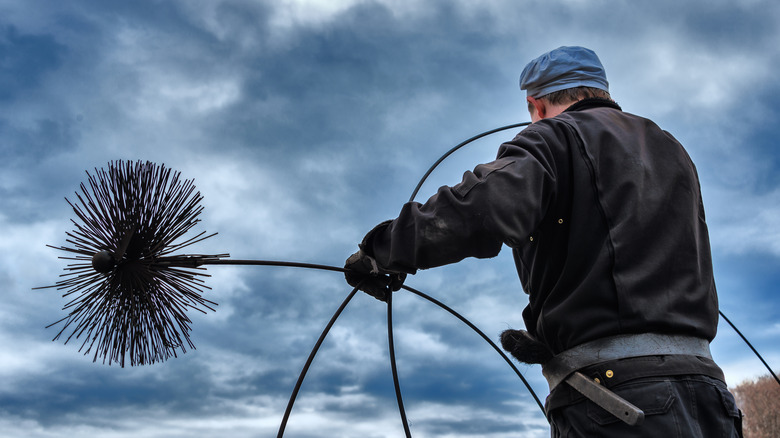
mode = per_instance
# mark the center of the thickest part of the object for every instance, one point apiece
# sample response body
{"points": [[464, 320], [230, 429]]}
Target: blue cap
{"points": [[563, 68]]}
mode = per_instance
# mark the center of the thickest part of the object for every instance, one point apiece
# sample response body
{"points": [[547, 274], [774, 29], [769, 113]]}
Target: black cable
{"points": [[390, 343], [391, 346], [390, 325], [196, 261], [271, 263], [483, 335], [317, 345], [751, 346], [394, 367], [448, 153], [467, 322]]}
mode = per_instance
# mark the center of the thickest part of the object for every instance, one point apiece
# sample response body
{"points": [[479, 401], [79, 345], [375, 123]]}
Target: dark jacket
{"points": [[603, 212]]}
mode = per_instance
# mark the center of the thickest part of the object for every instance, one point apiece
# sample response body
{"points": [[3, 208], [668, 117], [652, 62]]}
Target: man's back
{"points": [[623, 247]]}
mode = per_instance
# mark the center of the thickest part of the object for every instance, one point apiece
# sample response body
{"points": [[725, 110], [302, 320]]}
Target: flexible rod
{"points": [[751, 346], [448, 153], [483, 335], [394, 366], [405, 287], [451, 151], [270, 263], [313, 353], [422, 295]]}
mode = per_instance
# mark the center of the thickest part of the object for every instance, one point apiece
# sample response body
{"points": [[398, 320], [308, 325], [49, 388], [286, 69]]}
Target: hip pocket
{"points": [[652, 397]]}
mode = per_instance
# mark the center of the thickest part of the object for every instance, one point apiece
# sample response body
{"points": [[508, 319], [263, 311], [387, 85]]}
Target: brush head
{"points": [[129, 292], [103, 262]]}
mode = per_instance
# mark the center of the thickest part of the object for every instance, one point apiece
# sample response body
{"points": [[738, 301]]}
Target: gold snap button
{"points": [[597, 380], [560, 221], [531, 238], [609, 374]]}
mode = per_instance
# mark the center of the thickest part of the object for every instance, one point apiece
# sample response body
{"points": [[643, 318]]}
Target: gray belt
{"points": [[563, 366]]}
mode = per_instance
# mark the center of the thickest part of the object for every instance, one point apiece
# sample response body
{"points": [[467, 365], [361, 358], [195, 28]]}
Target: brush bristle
{"points": [[130, 292]]}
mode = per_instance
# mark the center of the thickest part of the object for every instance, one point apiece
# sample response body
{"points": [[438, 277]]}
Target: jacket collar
{"points": [[593, 102]]}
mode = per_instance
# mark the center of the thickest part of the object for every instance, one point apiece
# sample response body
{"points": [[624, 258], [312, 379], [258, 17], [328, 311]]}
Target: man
{"points": [[603, 212]]}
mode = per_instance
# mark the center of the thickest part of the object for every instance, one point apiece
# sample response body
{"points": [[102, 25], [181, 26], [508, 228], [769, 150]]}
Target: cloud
{"points": [[750, 224], [305, 123], [27, 59]]}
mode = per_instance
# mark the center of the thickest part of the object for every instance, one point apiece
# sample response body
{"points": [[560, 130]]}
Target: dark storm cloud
{"points": [[730, 25], [54, 405], [24, 60], [761, 139], [341, 83], [303, 131], [45, 138]]}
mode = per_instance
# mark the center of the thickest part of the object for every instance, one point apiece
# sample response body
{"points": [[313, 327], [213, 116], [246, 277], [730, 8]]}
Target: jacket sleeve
{"points": [[497, 203]]}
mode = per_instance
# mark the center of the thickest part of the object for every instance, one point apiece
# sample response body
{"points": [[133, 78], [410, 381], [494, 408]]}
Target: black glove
{"points": [[524, 347], [363, 272]]}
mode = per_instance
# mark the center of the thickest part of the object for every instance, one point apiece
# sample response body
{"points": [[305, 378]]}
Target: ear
{"points": [[539, 106]]}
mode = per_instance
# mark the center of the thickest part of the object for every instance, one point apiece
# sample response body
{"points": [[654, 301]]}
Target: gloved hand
{"points": [[363, 272], [524, 347]]}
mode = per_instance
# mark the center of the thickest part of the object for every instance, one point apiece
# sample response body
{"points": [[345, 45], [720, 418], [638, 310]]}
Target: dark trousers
{"points": [[675, 407]]}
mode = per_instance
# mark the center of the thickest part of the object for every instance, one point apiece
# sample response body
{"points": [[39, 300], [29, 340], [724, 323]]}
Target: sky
{"points": [[303, 124]]}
